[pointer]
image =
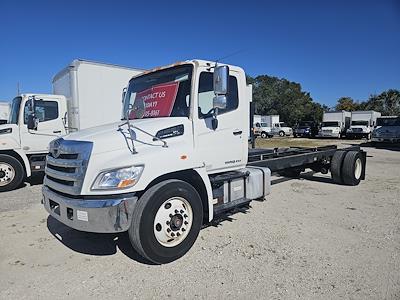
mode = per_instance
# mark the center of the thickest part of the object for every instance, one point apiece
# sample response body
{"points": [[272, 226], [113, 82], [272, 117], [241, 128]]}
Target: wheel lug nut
{"points": [[178, 234], [181, 211], [172, 234], [186, 223], [176, 211], [168, 230], [170, 215], [167, 222], [185, 215], [183, 229]]}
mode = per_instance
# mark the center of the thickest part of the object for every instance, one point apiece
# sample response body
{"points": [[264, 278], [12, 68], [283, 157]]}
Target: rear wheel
{"points": [[11, 173], [281, 133], [352, 168], [336, 166], [264, 135], [166, 221]]}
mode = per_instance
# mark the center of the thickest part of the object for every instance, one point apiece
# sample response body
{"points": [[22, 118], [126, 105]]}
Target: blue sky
{"points": [[333, 48]]}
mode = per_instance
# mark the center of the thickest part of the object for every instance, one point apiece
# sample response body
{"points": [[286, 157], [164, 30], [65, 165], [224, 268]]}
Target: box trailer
{"points": [[335, 124], [362, 124], [174, 164], [86, 94]]}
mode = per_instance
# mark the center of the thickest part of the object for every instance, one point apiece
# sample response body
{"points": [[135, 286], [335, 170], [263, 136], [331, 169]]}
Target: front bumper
{"points": [[385, 139], [95, 215], [329, 134], [357, 134]]}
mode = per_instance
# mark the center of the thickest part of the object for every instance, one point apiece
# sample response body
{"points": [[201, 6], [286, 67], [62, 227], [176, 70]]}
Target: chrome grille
{"points": [[66, 165], [357, 130], [327, 131]]}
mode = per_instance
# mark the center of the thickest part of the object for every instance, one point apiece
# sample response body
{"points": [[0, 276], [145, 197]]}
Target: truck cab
{"points": [[281, 129], [23, 149], [387, 130], [263, 130]]}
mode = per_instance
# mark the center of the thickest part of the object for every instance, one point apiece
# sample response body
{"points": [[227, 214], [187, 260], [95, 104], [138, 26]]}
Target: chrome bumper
{"points": [[94, 215]]}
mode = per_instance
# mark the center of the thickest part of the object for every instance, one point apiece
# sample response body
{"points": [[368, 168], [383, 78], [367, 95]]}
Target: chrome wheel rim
{"points": [[173, 221], [358, 168], [7, 173]]}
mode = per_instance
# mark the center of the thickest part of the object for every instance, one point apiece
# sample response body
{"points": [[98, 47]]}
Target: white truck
{"points": [[270, 126], [362, 124], [387, 130], [4, 112], [335, 124], [86, 94], [174, 163]]}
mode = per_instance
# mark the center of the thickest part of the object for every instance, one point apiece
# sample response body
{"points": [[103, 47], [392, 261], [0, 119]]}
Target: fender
{"points": [[206, 180]]}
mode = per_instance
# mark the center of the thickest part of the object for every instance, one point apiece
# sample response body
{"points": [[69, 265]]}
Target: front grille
{"points": [[66, 165], [327, 131], [357, 130]]}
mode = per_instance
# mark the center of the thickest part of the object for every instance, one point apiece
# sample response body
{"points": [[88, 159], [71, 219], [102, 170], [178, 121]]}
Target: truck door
{"points": [[50, 113], [221, 149]]}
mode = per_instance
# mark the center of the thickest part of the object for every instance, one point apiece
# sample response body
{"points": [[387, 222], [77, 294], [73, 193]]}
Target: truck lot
{"points": [[309, 239]]}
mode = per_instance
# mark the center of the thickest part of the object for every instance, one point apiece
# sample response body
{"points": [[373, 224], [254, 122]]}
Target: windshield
{"points": [[16, 103], [283, 124], [330, 124], [264, 125], [164, 93], [305, 124], [388, 121], [359, 123]]}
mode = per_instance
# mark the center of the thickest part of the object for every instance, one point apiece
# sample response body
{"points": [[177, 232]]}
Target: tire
{"points": [[12, 173], [281, 133], [369, 136], [143, 231], [336, 166], [294, 135], [264, 135], [352, 168]]}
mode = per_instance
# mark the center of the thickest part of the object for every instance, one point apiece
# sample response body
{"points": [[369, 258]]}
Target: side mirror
{"points": [[123, 94], [32, 122], [221, 80]]}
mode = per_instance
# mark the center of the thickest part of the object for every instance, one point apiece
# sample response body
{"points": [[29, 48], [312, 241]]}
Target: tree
{"points": [[273, 95], [346, 103], [388, 102]]}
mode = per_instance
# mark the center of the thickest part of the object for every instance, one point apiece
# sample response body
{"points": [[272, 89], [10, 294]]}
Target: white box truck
{"points": [[4, 112], [362, 124], [270, 126], [387, 130], [174, 164], [335, 124], [86, 94]]}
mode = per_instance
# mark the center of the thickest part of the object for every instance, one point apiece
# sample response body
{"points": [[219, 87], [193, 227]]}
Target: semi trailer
{"points": [[178, 159], [335, 124], [362, 124], [85, 94]]}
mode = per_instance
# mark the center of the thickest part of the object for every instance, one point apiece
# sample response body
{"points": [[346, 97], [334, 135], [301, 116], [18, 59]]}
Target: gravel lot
{"points": [[310, 239]]}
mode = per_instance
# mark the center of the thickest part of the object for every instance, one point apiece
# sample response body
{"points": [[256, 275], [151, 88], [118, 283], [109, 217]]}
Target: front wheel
{"points": [[166, 221], [264, 135], [281, 133], [11, 173]]}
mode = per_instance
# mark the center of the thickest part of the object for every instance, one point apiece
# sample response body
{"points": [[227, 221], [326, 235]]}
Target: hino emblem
{"points": [[55, 151]]}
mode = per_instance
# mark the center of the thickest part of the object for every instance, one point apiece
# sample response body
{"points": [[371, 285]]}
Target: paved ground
{"points": [[311, 239]]}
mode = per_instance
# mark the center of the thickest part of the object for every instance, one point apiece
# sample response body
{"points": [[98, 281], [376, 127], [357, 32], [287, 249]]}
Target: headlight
{"points": [[118, 178]]}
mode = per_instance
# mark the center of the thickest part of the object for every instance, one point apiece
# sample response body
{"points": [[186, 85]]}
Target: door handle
{"points": [[237, 132], [57, 131]]}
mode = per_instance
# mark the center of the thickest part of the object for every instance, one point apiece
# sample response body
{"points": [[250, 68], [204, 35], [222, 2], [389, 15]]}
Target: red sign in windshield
{"points": [[159, 99]]}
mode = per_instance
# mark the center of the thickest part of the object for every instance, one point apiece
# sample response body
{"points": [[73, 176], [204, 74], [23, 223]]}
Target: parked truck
{"points": [[4, 112], [387, 130], [271, 126], [86, 94], [261, 128], [178, 159], [362, 124], [335, 124], [306, 129]]}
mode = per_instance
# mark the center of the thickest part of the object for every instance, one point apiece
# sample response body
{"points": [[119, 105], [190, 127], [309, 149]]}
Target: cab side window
{"points": [[206, 95], [44, 111]]}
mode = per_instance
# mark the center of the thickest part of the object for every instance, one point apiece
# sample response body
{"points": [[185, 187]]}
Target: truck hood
{"points": [[113, 137], [9, 137], [330, 128]]}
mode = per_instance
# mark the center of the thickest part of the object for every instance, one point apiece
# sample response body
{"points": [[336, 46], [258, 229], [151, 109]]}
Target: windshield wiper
{"points": [[132, 135]]}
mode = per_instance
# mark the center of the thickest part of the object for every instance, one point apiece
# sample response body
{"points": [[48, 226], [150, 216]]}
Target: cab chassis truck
{"points": [[179, 158]]}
